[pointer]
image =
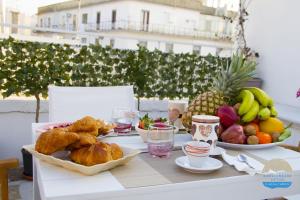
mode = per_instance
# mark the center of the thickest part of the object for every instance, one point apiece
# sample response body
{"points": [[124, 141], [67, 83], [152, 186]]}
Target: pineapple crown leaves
{"points": [[233, 77]]}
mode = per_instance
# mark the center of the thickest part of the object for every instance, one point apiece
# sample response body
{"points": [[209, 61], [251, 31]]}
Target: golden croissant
{"points": [[85, 125], [85, 139], [103, 128], [94, 154], [116, 151], [55, 140]]}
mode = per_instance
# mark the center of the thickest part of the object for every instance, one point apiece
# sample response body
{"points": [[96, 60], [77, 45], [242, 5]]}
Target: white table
{"points": [[55, 183]]}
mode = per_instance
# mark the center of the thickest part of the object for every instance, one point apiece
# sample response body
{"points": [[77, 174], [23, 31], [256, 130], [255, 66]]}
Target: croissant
{"points": [[87, 125], [116, 151], [94, 154], [103, 128], [54, 140], [85, 139]]}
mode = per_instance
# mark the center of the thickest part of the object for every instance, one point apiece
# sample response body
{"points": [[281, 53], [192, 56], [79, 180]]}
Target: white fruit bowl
{"points": [[143, 132], [247, 146]]}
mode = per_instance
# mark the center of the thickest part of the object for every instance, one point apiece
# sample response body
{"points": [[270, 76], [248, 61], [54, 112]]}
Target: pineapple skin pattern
{"points": [[206, 103], [225, 88]]}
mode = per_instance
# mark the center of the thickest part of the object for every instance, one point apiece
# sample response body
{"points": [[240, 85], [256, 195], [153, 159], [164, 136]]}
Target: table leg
{"points": [[36, 193]]}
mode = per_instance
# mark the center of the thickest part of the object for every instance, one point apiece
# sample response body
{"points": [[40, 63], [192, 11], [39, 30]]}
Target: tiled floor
{"points": [[20, 190]]}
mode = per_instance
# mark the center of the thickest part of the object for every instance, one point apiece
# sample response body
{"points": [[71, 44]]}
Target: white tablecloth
{"points": [[54, 182]]}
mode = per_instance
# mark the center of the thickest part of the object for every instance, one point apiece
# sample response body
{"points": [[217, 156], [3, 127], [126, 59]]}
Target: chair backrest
{"points": [[72, 103]]}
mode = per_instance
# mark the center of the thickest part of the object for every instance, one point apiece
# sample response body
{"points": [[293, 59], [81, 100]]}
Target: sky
{"points": [[30, 6]]}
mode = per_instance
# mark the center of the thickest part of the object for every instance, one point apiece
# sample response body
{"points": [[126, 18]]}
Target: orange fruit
{"points": [[264, 138], [271, 125]]}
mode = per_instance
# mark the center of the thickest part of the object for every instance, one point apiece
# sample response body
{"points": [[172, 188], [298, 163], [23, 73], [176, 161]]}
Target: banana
{"points": [[264, 114], [271, 103], [252, 113], [261, 96], [274, 112], [247, 101]]}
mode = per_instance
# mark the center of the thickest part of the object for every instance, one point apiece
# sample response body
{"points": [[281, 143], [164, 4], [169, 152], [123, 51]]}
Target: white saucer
{"points": [[217, 152], [210, 165]]}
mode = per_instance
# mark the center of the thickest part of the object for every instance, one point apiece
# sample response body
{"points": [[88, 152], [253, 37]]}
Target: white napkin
{"points": [[241, 166]]}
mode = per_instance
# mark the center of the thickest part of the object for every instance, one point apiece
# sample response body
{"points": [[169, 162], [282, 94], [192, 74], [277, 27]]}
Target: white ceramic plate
{"points": [[209, 166], [247, 146], [51, 125], [61, 159]]}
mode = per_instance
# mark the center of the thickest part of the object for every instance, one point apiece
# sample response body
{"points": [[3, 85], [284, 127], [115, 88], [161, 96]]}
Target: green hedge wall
{"points": [[29, 67]]}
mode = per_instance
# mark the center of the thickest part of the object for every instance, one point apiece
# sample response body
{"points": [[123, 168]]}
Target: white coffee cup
{"points": [[197, 152]]}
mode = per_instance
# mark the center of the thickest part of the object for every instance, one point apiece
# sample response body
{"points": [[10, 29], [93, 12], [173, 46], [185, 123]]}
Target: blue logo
{"points": [[274, 185], [277, 173]]}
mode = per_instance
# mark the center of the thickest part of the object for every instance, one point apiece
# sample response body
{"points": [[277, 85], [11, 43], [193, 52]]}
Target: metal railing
{"points": [[166, 29]]}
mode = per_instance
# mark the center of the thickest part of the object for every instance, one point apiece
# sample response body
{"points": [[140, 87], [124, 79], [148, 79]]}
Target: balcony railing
{"points": [[165, 29]]}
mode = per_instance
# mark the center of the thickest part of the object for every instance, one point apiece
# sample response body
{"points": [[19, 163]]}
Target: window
{"points": [[113, 19], [84, 18], [83, 40], [197, 49], [169, 47], [41, 22], [143, 43], [208, 25], [98, 40], [15, 21], [63, 21], [98, 20], [112, 42], [145, 20], [49, 22], [74, 22]]}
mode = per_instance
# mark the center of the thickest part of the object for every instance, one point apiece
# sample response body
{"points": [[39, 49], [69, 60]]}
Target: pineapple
{"points": [[226, 86]]}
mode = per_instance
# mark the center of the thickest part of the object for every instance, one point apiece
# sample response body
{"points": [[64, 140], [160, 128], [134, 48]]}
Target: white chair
{"points": [[72, 103]]}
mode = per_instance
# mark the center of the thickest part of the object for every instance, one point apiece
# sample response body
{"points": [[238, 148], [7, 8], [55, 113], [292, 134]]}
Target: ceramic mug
{"points": [[204, 129], [197, 152]]}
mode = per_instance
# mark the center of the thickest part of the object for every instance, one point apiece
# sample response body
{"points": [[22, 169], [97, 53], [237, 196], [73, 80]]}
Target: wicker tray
{"points": [[61, 159]]}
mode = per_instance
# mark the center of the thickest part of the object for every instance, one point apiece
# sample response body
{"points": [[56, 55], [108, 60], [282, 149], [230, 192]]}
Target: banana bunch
{"points": [[255, 103]]}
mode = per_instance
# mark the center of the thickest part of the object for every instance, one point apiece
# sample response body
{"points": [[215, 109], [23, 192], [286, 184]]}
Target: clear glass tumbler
{"points": [[123, 118], [160, 140]]}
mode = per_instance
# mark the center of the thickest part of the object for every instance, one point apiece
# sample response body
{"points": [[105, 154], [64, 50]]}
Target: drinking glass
{"points": [[160, 140], [123, 118]]}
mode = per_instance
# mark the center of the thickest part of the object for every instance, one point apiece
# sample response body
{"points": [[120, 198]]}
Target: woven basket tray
{"points": [[61, 159]]}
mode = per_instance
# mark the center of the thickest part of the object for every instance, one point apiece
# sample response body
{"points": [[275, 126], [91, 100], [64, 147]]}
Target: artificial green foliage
{"points": [[27, 68]]}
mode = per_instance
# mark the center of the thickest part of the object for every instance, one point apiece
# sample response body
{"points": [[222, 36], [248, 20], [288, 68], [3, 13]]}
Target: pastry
{"points": [[85, 139], [55, 140], [87, 125], [92, 155], [116, 151], [103, 128]]}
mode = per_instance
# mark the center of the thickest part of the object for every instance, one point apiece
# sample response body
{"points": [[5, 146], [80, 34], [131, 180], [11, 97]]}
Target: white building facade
{"points": [[11, 16], [168, 25]]}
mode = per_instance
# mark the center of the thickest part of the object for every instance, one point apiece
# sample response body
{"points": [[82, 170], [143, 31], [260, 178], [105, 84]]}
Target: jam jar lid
{"points": [[205, 119]]}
